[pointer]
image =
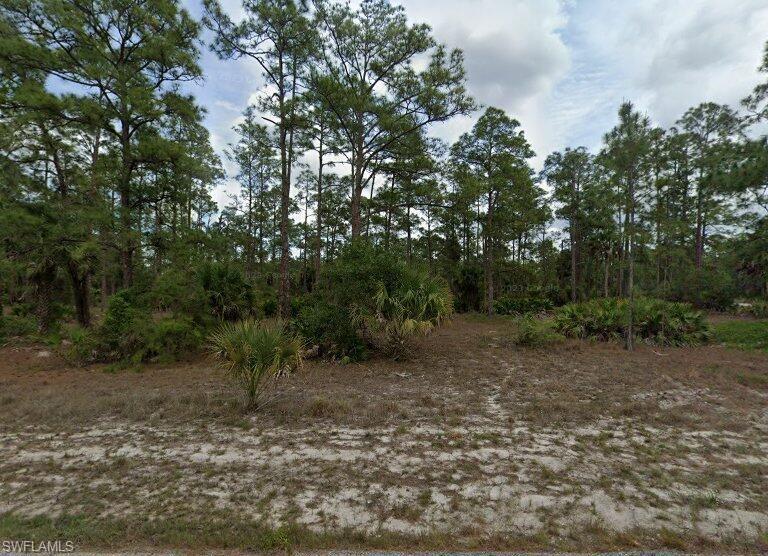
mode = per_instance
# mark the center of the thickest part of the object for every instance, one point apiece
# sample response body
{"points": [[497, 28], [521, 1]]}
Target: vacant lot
{"points": [[473, 442]]}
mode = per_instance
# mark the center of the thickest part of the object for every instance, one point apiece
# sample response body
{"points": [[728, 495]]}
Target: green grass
{"points": [[743, 334], [88, 532], [228, 532]]}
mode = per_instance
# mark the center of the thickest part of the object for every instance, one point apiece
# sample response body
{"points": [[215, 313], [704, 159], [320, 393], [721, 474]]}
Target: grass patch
{"points": [[743, 334], [533, 333], [226, 532], [321, 407]]}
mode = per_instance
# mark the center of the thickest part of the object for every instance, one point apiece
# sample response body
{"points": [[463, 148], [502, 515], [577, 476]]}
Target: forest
{"points": [[108, 172]]}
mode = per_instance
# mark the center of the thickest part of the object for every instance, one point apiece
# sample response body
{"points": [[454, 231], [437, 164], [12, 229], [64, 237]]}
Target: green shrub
{"points": [[182, 293], [365, 299], [530, 332], [165, 340], [119, 319], [705, 289], [23, 309], [85, 346], [355, 276], [331, 328], [657, 321], [12, 326], [229, 295], [266, 302], [466, 285], [413, 308], [514, 305], [757, 308], [256, 355], [131, 334]]}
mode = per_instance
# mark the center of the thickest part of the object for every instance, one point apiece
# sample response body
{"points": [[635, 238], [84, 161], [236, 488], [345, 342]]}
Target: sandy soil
{"points": [[472, 436]]}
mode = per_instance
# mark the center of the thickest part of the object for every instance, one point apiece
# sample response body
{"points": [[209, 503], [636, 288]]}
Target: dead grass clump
{"points": [[327, 408]]}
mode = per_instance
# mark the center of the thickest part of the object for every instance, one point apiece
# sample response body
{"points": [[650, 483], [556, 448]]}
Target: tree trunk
{"points": [[388, 225], [699, 245], [304, 247], [429, 237], [631, 274], [43, 288], [357, 181], [250, 257], [488, 256], [355, 210], [574, 264], [81, 293], [126, 239], [408, 234], [370, 209], [284, 300], [319, 215]]}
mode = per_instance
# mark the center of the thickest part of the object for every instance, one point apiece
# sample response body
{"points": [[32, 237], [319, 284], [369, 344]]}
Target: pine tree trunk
{"points": [[631, 274], [81, 294], [574, 263], [488, 256], [43, 287], [319, 215], [286, 161]]}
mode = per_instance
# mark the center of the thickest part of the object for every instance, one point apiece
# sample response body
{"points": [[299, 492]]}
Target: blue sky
{"points": [[561, 67]]}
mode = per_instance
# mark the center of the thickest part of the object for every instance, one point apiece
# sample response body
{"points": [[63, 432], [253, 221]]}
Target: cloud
{"points": [[668, 55], [561, 67], [513, 54], [226, 105]]}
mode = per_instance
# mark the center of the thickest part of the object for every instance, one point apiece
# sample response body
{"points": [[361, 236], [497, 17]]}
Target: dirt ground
{"points": [[472, 442]]}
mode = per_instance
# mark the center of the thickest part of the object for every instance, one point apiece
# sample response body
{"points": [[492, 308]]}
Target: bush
{"points": [[165, 340], [355, 276], [256, 355], [181, 293], [706, 289], [229, 295], [365, 299], [130, 333], [85, 347], [512, 305], [23, 310], [268, 304], [743, 334], [417, 305], [533, 333], [330, 327], [656, 321], [757, 308], [466, 285], [119, 319], [12, 326]]}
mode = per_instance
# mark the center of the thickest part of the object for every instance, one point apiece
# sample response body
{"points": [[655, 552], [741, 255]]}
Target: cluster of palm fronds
{"points": [[757, 308], [654, 320], [402, 313], [256, 354]]}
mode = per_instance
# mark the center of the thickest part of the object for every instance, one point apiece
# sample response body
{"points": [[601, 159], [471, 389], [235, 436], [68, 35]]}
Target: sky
{"points": [[560, 67]]}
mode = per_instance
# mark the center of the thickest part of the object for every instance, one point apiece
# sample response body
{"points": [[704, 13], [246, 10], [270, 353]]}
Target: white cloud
{"points": [[226, 105], [562, 67], [514, 55], [665, 55]]}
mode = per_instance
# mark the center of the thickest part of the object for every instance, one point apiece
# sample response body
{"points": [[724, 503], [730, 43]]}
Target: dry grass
{"points": [[576, 436], [451, 378]]}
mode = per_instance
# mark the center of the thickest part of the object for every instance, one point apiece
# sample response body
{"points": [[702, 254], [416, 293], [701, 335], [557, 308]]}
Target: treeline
{"points": [[106, 172]]}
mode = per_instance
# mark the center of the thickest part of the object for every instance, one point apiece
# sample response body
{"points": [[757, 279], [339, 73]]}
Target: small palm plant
{"points": [[405, 313], [256, 354]]}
